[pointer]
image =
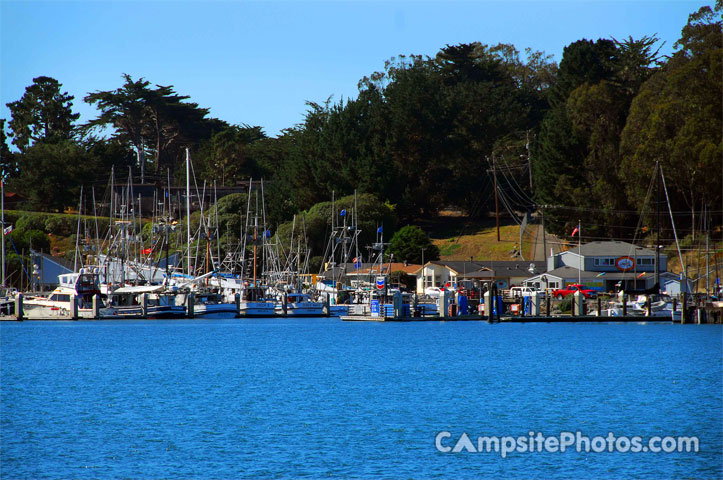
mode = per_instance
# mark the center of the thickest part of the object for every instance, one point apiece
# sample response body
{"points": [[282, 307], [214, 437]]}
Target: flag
{"points": [[641, 275], [343, 212], [268, 233], [574, 232], [379, 230], [601, 274], [146, 251], [7, 229]]}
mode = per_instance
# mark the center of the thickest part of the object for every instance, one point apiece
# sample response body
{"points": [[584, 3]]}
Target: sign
{"points": [[624, 263], [380, 283], [375, 308]]}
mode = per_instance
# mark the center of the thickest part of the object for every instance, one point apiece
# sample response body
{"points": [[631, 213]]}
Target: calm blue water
{"points": [[324, 398]]}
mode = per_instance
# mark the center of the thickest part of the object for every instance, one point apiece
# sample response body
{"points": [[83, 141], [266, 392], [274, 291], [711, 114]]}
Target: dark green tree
{"points": [[156, 122], [8, 165], [677, 120], [411, 244], [43, 113]]}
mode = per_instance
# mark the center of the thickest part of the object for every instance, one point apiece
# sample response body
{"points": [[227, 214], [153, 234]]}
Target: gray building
{"points": [[602, 266]]}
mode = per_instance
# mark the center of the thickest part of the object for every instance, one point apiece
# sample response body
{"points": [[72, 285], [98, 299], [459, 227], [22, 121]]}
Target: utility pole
{"points": [[544, 235], [497, 210], [529, 159]]}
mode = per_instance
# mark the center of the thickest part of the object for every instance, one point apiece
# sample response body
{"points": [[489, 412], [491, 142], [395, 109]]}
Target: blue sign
{"points": [[375, 308]]}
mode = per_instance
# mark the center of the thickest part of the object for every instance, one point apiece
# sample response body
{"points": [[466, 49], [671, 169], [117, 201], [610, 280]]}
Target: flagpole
{"points": [[579, 252]]}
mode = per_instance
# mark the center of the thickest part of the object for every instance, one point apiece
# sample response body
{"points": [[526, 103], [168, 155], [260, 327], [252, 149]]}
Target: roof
{"points": [[514, 268], [572, 272], [496, 268], [612, 249], [139, 289], [409, 269], [459, 266]]}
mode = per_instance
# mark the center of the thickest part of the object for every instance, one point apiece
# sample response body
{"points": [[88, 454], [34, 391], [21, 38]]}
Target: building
{"points": [[437, 274], [603, 266]]}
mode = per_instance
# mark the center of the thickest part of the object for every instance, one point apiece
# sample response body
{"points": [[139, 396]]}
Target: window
{"points": [[603, 261], [646, 261]]}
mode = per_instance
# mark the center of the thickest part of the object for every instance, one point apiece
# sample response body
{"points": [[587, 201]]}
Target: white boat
{"points": [[255, 304], [300, 305], [213, 305], [159, 303], [80, 287]]}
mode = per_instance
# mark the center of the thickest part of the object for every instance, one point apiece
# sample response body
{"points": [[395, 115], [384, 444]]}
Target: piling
{"points": [[625, 304], [548, 304], [577, 304], [73, 307], [96, 306], [684, 311], [648, 306], [284, 304], [19, 313], [487, 297], [144, 305], [237, 300], [190, 305], [599, 306]]}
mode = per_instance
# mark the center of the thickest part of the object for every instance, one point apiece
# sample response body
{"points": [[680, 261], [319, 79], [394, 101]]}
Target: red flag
{"points": [[641, 275], [146, 251], [574, 232]]}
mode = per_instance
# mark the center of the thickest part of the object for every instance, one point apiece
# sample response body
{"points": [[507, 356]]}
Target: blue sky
{"points": [[257, 63]]}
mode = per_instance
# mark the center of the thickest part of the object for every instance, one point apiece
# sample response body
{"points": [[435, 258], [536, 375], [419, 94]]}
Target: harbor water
{"points": [[278, 398]]}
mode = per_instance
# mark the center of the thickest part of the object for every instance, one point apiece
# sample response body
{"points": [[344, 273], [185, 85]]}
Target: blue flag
{"points": [[379, 230], [343, 212]]}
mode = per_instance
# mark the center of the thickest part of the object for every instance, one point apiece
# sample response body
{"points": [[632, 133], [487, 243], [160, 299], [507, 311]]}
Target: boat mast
{"points": [[188, 207], [659, 174], [2, 208]]}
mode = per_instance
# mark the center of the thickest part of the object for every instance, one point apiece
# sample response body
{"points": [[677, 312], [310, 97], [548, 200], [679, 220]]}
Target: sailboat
{"points": [[293, 301], [254, 301]]}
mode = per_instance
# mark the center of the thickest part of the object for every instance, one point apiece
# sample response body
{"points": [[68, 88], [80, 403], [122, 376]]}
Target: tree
{"points": [[43, 113], [677, 120], [411, 244], [64, 166], [226, 156], [7, 159], [155, 121]]}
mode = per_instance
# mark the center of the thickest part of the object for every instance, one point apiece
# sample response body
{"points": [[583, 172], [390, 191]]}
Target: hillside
{"points": [[460, 238]]}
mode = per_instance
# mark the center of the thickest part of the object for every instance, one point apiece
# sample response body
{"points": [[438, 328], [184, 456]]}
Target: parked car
{"points": [[519, 292], [561, 293]]}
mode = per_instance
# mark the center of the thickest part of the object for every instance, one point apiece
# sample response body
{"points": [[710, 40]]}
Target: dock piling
{"points": [[96, 306], [19, 313], [190, 305], [73, 307]]}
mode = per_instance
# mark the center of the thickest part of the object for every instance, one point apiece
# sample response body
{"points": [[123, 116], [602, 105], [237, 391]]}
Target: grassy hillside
{"points": [[460, 238]]}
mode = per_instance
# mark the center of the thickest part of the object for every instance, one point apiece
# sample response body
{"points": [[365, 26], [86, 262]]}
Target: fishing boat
{"points": [[213, 305], [254, 303], [147, 301], [300, 305]]}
